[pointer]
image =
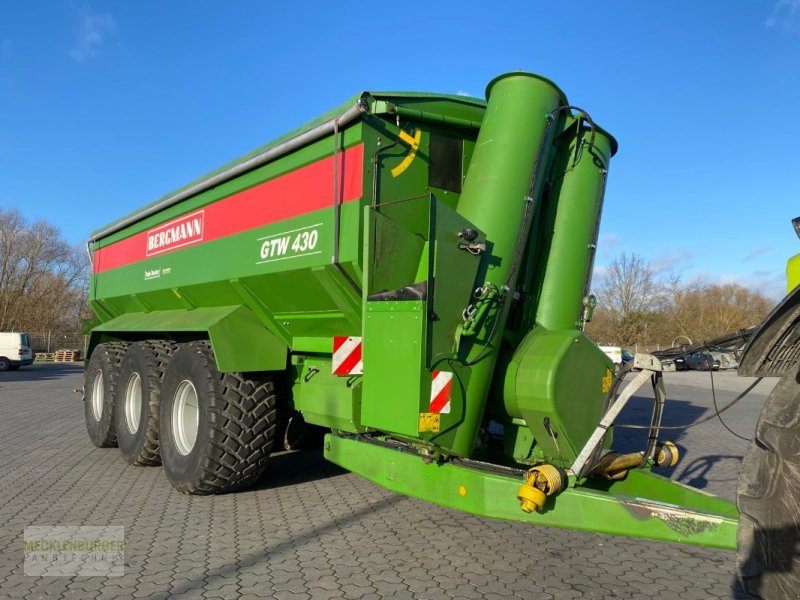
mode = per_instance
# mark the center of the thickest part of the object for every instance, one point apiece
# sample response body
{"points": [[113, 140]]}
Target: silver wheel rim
{"points": [[133, 403], [185, 417], [98, 392]]}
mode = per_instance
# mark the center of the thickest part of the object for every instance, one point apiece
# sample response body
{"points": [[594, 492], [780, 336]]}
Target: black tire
{"points": [[136, 423], [5, 364], [768, 496], [235, 425], [102, 369]]}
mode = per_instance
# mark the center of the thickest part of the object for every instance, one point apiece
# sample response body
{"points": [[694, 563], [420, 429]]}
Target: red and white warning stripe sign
{"points": [[347, 355], [441, 388]]}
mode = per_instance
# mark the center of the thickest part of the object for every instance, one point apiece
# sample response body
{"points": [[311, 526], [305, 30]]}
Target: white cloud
{"points": [[667, 262], [463, 93], [607, 242], [92, 31], [785, 14], [598, 276], [756, 252], [771, 284]]}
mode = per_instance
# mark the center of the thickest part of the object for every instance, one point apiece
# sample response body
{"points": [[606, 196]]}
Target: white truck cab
{"points": [[15, 350]]}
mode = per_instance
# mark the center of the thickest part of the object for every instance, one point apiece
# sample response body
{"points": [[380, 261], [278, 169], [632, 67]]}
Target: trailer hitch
{"points": [[617, 465]]}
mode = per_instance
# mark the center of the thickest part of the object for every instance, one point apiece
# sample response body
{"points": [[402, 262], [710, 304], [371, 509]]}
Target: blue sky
{"points": [[105, 106]]}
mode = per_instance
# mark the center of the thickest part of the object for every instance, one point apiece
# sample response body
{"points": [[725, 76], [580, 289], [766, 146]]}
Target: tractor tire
{"points": [[101, 374], [768, 497], [138, 395], [216, 429]]}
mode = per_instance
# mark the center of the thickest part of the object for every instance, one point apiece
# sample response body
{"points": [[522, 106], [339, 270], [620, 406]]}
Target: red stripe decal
{"points": [[338, 341], [441, 400], [350, 362], [296, 193]]}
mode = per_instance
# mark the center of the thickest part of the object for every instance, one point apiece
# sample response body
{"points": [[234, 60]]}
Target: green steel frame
{"points": [[643, 505]]}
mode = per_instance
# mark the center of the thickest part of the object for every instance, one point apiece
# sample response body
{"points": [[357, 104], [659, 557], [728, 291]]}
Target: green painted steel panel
{"points": [[396, 383], [455, 271], [326, 399], [643, 506], [239, 340], [396, 255], [297, 295], [556, 384]]}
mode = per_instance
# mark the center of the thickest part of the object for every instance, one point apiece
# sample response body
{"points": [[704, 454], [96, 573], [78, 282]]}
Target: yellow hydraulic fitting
{"points": [[614, 465], [530, 498], [540, 481], [667, 455]]}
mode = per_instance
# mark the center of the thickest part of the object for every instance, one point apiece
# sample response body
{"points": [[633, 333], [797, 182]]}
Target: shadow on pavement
{"points": [[638, 412], [41, 372], [694, 474], [230, 570], [676, 413], [293, 468]]}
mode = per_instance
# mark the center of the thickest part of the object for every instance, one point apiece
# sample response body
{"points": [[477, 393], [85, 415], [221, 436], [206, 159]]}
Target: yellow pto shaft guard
{"points": [[540, 481]]}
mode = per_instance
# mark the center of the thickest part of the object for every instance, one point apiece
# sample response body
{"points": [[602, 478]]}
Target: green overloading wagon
{"points": [[411, 273]]}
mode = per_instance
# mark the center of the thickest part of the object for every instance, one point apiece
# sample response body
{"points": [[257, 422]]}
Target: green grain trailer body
{"points": [[410, 272]]}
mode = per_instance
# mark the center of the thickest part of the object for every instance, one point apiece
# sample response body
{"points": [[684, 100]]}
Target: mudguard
{"points": [[775, 347], [240, 341]]}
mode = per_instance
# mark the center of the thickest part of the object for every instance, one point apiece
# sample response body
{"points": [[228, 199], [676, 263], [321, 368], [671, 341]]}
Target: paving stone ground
{"points": [[309, 529]]}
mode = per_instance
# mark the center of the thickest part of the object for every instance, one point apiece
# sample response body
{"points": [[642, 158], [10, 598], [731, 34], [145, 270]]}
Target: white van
{"points": [[15, 351], [614, 353]]}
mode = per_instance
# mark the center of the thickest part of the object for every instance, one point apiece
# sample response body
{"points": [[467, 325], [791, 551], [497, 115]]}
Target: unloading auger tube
{"points": [[410, 275]]}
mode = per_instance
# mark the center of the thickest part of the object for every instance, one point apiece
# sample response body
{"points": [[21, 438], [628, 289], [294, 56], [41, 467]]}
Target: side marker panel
{"points": [[347, 356], [441, 388]]}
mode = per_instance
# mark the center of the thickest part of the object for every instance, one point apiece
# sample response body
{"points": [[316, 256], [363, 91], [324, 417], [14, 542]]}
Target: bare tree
{"points": [[12, 230], [703, 311], [42, 278], [629, 298], [635, 306]]}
